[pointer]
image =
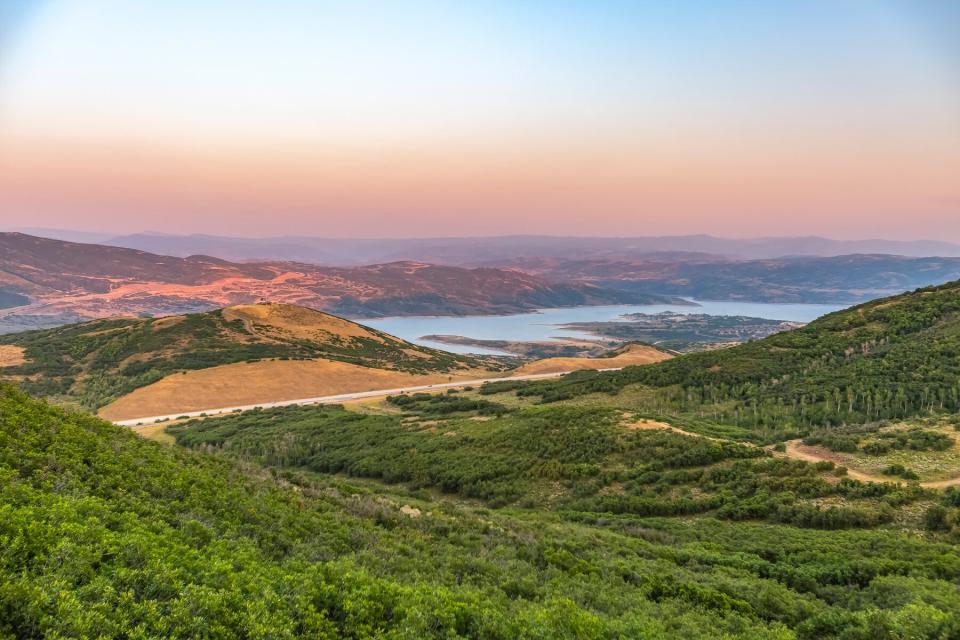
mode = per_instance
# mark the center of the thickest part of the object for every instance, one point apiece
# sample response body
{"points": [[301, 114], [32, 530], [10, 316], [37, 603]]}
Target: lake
{"points": [[541, 325]]}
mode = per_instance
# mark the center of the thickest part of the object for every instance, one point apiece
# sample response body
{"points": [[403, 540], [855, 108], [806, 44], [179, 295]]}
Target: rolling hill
{"points": [[47, 282], [262, 348], [605, 505], [625, 356], [892, 358]]}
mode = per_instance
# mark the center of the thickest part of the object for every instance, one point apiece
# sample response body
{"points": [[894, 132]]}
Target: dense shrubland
{"points": [[872, 439], [451, 402], [104, 534], [555, 457]]}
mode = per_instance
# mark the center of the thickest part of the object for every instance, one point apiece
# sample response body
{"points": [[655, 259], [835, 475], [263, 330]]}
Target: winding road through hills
{"points": [[337, 399], [794, 448]]}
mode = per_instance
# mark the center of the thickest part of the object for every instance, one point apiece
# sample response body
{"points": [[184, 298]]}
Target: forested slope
{"points": [[892, 358]]}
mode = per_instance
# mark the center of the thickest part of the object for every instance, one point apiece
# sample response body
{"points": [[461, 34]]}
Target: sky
{"points": [[396, 119]]}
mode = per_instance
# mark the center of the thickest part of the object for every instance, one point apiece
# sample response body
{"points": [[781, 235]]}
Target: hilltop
{"points": [[243, 349]]}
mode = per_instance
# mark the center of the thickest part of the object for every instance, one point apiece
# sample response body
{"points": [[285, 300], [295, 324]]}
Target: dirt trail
{"points": [[942, 484], [799, 451], [644, 424]]}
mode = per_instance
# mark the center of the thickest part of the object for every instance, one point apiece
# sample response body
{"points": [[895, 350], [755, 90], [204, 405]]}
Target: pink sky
{"points": [[802, 118]]}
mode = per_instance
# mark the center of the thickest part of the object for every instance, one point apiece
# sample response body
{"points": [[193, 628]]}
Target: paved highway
{"points": [[337, 399]]}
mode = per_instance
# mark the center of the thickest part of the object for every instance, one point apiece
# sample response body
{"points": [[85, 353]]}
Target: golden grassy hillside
{"points": [[246, 383], [632, 354]]}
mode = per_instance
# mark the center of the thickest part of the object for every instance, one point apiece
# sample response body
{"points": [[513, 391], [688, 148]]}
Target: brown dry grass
{"points": [[246, 383], [11, 355], [632, 355], [296, 322]]}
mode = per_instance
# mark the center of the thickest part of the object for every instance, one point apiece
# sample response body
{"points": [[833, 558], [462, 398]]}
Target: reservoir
{"points": [[543, 324]]}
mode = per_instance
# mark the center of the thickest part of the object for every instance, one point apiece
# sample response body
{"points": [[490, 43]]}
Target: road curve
{"points": [[337, 399]]}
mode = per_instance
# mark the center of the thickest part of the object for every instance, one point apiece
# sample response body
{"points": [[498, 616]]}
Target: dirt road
{"points": [[337, 399], [797, 450]]}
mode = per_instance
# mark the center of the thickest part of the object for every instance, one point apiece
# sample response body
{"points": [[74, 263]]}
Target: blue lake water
{"points": [[542, 325]]}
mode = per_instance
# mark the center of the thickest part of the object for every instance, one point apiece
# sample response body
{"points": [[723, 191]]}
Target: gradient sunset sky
{"points": [[352, 118]]}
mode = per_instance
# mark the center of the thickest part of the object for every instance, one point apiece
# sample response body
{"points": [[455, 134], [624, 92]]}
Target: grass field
{"points": [[246, 383]]}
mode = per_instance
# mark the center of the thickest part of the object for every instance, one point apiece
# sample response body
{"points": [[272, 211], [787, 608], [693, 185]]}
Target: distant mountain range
{"points": [[828, 280], [46, 282], [494, 250], [49, 282]]}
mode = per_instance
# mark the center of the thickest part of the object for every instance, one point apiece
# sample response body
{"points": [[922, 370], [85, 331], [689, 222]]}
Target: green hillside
{"points": [[637, 504], [107, 535], [888, 359], [98, 361]]}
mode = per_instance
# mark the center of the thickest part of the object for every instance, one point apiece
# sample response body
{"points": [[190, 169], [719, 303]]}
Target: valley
{"points": [[555, 347], [685, 332], [480, 320], [669, 330], [596, 504], [129, 369], [791, 478]]}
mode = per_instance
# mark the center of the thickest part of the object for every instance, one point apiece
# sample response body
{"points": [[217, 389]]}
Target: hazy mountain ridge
{"points": [[830, 280], [69, 282], [499, 249], [72, 281]]}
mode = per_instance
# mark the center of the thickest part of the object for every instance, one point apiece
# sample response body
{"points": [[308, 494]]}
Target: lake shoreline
{"points": [[547, 324]]}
